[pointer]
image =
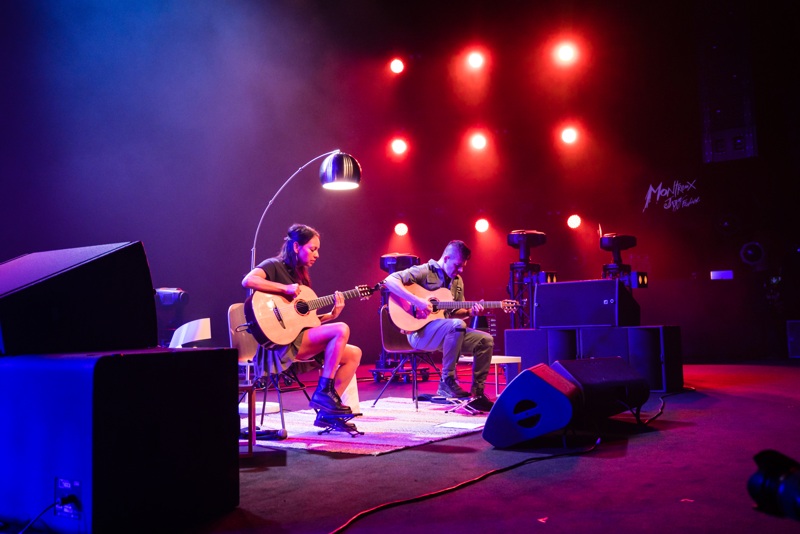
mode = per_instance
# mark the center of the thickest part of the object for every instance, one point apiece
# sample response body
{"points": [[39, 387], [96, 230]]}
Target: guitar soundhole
{"points": [[302, 307]]}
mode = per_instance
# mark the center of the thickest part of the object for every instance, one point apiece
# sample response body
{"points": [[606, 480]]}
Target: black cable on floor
{"points": [[418, 498], [664, 404], [35, 519]]}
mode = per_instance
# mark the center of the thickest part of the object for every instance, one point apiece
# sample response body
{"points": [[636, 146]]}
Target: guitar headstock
{"points": [[365, 292], [509, 305]]}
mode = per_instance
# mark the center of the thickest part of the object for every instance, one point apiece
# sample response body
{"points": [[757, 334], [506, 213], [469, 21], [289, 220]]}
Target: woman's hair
{"points": [[300, 234]]}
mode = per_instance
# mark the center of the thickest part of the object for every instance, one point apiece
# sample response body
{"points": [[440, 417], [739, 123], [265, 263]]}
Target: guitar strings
{"points": [[321, 300]]}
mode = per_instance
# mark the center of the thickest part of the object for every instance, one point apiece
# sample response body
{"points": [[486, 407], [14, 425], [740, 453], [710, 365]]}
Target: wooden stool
{"points": [[497, 359], [249, 390]]}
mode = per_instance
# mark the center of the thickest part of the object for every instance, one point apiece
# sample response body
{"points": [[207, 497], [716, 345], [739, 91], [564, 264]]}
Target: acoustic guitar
{"points": [[275, 320], [404, 314]]}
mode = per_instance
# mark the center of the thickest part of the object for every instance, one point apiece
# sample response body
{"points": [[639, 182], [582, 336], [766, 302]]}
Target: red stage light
{"points": [[401, 229], [399, 146], [478, 141], [397, 66], [574, 221], [565, 54], [569, 135], [481, 225], [469, 73], [475, 60]]}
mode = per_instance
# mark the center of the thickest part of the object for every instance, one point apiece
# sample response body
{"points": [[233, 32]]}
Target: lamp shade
{"points": [[340, 171]]}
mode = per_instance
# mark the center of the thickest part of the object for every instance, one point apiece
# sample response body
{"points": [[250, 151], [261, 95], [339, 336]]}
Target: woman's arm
{"points": [[257, 281]]}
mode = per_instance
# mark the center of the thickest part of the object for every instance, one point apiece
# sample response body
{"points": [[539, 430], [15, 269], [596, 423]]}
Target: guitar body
{"points": [[277, 321], [403, 314]]}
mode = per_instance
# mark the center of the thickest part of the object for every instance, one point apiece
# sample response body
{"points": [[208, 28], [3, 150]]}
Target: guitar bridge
{"points": [[279, 317]]}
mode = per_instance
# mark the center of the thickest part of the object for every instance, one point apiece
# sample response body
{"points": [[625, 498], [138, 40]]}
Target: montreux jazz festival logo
{"points": [[677, 196]]}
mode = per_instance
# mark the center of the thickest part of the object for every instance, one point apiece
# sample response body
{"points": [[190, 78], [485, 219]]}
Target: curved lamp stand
{"points": [[339, 171]]}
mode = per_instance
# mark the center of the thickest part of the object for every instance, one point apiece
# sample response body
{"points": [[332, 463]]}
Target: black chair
{"points": [[395, 342]]}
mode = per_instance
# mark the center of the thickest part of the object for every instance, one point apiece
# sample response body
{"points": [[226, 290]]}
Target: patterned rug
{"points": [[393, 424]]}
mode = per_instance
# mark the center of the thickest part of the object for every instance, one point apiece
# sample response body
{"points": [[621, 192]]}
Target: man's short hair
{"points": [[457, 246]]}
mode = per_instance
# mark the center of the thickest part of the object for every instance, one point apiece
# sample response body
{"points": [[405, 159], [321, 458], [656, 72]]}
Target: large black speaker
{"points": [[537, 401], [726, 81], [608, 386], [147, 441], [603, 342], [584, 303], [87, 299], [655, 352], [544, 398], [541, 346]]}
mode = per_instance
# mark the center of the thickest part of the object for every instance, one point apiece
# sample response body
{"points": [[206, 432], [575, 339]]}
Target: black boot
{"points": [[326, 399], [480, 402]]}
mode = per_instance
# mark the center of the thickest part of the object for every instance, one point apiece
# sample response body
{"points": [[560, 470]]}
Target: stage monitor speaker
{"points": [[88, 299], [536, 402], [608, 386], [147, 441], [584, 303]]}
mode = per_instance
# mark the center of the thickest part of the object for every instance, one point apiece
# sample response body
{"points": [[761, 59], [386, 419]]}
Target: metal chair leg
{"points": [[428, 358], [414, 391], [391, 377]]}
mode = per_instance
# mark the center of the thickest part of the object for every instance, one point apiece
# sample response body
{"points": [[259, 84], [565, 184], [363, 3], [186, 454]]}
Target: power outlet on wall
{"points": [[68, 498]]}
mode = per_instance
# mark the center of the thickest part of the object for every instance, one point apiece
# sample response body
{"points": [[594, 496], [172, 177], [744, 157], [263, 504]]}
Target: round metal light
{"points": [[340, 171]]}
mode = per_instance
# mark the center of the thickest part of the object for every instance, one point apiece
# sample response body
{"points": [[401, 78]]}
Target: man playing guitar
{"points": [[450, 334]]}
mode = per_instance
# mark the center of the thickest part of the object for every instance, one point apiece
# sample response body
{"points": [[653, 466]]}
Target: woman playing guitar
{"points": [[286, 275]]}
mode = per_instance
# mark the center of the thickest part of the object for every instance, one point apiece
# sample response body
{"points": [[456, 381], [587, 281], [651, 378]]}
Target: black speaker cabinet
{"points": [[793, 338], [584, 303], [603, 342], [147, 441], [608, 386], [655, 353], [541, 346], [88, 299]]}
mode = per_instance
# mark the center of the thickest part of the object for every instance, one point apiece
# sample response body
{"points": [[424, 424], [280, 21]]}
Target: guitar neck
{"points": [[329, 300], [457, 305]]}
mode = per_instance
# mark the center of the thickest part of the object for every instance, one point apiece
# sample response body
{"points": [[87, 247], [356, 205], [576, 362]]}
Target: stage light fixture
{"points": [[574, 221], [615, 244], [475, 60], [399, 146], [569, 135], [170, 305], [524, 275], [339, 172], [171, 296], [478, 141], [547, 277], [638, 279], [525, 240], [397, 66], [397, 261], [401, 229], [565, 54], [481, 225]]}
